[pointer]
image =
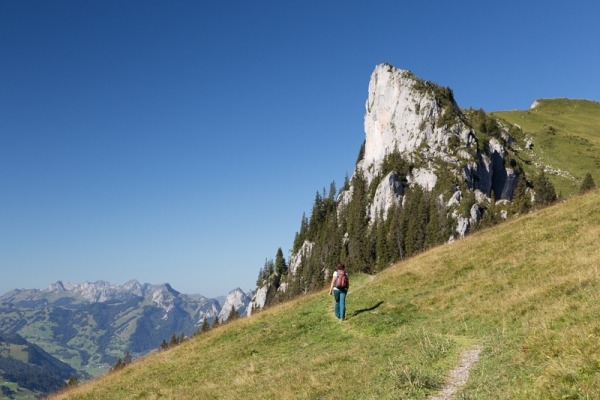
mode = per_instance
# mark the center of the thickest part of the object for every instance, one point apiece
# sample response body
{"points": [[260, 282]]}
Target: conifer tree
{"points": [[164, 345], [261, 278], [280, 265], [587, 184], [397, 232], [301, 235], [233, 314], [173, 341], [544, 190], [417, 223], [346, 183], [332, 191], [382, 253], [357, 224], [490, 216], [73, 381], [216, 322], [181, 338], [118, 365], [127, 359], [521, 200], [205, 327]]}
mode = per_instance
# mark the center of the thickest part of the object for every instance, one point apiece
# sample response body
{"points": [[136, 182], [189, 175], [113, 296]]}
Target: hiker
{"points": [[339, 288]]}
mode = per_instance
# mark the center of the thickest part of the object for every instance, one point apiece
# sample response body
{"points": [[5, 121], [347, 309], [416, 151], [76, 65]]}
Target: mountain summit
{"points": [[427, 173]]}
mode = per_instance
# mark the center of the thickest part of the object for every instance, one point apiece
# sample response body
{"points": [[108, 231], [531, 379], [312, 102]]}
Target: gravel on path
{"points": [[459, 375]]}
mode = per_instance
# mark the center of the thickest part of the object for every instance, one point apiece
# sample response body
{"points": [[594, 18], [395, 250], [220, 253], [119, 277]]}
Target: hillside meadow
{"points": [[566, 136], [527, 291]]}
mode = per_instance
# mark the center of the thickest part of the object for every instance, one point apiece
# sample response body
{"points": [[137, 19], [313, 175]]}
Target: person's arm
{"points": [[332, 282]]}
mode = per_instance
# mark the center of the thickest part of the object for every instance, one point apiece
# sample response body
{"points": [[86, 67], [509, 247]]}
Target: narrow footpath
{"points": [[459, 375]]}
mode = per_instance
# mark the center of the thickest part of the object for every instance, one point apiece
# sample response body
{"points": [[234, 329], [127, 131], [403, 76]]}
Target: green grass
{"points": [[573, 143], [526, 290], [20, 393]]}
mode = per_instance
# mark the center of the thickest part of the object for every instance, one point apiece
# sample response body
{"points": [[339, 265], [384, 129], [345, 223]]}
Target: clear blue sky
{"points": [[182, 141]]}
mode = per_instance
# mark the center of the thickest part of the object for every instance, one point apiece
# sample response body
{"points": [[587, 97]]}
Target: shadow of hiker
{"points": [[355, 313]]}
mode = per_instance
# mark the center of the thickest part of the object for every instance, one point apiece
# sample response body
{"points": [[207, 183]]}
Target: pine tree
{"points": [[216, 322], [397, 231], [346, 183], [280, 265], [357, 223], [173, 341], [73, 381], [417, 223], [181, 338], [261, 278], [118, 365], [382, 253], [587, 184], [544, 190], [205, 327], [233, 314], [332, 191], [127, 359], [301, 235], [490, 216], [164, 345], [521, 200]]}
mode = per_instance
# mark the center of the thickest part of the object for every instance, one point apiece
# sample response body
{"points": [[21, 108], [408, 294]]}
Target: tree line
{"points": [[420, 221]]}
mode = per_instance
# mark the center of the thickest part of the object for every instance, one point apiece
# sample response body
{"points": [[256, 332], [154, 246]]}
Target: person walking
{"points": [[339, 289]]}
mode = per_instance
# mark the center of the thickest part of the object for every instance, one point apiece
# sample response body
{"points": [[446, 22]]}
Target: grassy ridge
{"points": [[566, 135], [527, 290]]}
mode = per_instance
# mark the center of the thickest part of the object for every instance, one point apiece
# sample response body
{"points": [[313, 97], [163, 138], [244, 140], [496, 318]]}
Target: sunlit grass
{"points": [[574, 143], [526, 290]]}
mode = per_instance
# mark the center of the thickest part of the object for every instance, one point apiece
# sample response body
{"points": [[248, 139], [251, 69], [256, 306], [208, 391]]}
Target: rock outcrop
{"points": [[398, 117], [296, 258], [259, 300], [388, 193], [238, 299], [416, 135]]}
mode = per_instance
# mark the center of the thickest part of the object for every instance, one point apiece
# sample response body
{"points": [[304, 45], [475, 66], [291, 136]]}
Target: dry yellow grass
{"points": [[527, 290]]}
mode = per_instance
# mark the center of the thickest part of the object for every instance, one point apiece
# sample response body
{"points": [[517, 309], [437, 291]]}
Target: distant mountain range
{"points": [[90, 325]]}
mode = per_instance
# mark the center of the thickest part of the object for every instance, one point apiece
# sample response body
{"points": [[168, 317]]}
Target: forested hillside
{"points": [[430, 172]]}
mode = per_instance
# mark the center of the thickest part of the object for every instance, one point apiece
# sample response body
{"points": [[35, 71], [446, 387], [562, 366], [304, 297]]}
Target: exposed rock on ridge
{"points": [[238, 299]]}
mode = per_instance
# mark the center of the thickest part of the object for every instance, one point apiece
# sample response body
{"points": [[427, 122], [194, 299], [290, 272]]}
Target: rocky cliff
{"points": [[238, 299], [419, 147], [422, 122]]}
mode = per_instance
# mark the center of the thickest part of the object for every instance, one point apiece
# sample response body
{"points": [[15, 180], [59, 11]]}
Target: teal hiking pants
{"points": [[340, 303]]}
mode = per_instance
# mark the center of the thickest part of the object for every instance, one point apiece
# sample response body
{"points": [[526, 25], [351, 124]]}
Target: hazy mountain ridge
{"points": [[89, 325]]}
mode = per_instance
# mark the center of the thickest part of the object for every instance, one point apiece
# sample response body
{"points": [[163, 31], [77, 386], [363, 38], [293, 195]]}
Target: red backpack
{"points": [[341, 281]]}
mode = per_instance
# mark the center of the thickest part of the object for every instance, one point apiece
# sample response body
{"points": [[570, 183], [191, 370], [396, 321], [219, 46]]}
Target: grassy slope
{"points": [[575, 144], [527, 290]]}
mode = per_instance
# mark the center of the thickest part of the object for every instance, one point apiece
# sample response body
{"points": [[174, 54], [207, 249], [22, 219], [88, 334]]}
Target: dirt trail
{"points": [[459, 375]]}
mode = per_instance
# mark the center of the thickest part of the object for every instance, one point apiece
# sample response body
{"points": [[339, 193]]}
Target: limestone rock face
{"points": [[208, 309], [343, 199], [236, 298], [259, 300], [462, 226], [475, 214], [426, 178], [455, 199], [398, 117], [296, 258], [388, 193]]}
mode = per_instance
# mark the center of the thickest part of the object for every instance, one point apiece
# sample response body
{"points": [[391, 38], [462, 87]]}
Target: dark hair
{"points": [[340, 266]]}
